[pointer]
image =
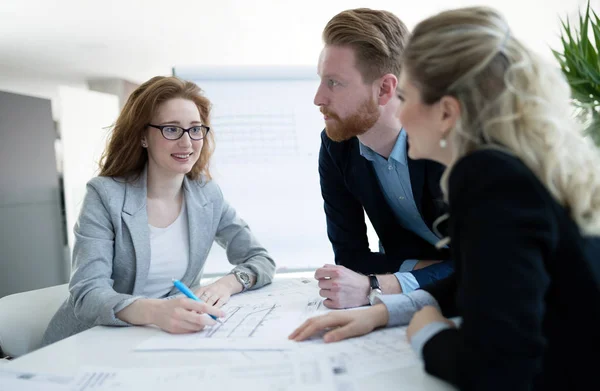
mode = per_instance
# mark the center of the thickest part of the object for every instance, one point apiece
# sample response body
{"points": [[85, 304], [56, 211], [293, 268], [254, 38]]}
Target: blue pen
{"points": [[186, 291]]}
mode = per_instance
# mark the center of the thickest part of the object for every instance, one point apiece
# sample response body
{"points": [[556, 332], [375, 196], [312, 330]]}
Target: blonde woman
{"points": [[151, 216], [523, 188]]}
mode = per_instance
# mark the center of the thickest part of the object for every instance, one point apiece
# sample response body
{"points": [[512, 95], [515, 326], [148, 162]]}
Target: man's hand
{"points": [[341, 287]]}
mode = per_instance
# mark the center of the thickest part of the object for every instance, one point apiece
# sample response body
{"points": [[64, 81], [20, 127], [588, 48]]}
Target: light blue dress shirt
{"points": [[394, 178]]}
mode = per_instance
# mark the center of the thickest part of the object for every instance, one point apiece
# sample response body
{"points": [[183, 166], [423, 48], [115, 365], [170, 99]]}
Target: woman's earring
{"points": [[144, 144], [443, 143]]}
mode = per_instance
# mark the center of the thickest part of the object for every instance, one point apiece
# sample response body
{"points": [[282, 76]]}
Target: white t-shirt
{"points": [[169, 255]]}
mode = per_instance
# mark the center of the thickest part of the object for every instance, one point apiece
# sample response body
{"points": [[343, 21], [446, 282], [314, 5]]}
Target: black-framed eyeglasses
{"points": [[172, 132]]}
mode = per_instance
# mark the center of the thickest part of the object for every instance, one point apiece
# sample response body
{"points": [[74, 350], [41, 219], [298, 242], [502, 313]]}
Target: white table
{"points": [[114, 347]]}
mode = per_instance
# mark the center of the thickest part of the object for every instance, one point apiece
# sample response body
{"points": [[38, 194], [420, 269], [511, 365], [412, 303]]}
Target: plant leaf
{"points": [[579, 61], [596, 30]]}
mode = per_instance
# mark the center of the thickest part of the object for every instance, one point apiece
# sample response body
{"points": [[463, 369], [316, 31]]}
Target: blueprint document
{"points": [[10, 384], [255, 320], [380, 351], [30, 381], [307, 374], [288, 292]]}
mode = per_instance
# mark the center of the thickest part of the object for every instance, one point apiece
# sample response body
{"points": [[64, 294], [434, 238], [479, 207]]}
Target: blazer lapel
{"points": [[360, 176], [362, 179], [416, 170], [135, 217]]}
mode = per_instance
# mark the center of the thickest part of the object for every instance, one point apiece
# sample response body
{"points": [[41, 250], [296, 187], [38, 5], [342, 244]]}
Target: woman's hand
{"points": [[177, 316], [348, 324], [219, 292], [423, 317], [183, 315]]}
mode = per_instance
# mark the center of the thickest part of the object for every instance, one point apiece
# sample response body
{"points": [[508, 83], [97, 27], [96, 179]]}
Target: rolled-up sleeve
{"points": [[242, 248]]}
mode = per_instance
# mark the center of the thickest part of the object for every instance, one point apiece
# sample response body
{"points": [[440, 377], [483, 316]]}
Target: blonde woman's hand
{"points": [[344, 324]]}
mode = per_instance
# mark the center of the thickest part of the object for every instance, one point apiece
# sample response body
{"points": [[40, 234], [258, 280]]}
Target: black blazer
{"points": [[349, 184], [527, 285]]}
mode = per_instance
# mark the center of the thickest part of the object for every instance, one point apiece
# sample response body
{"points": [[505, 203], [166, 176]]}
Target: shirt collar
{"points": [[398, 152], [366, 152]]}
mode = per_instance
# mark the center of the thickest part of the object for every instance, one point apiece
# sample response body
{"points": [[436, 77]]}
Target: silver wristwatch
{"points": [[375, 288], [243, 278]]}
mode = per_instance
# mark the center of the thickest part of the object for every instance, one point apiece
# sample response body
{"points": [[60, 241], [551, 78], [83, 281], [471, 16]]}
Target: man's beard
{"points": [[355, 125]]}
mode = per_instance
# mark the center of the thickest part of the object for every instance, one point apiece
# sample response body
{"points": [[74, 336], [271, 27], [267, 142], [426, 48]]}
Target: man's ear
{"points": [[450, 110], [387, 88]]}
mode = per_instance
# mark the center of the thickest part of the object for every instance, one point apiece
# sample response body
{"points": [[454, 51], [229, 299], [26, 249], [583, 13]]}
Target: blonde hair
{"points": [[377, 37], [510, 99], [124, 157]]}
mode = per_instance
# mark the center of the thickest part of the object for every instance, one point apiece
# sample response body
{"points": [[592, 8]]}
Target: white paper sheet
{"points": [[256, 326], [29, 381], [285, 375], [380, 351], [285, 292]]}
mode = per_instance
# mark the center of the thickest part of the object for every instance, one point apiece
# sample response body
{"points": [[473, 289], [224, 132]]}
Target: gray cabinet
{"points": [[32, 241]]}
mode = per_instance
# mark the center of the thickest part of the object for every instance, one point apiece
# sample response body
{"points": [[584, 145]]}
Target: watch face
{"points": [[244, 277]]}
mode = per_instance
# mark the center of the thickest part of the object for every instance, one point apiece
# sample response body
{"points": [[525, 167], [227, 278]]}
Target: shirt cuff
{"points": [[408, 265], [408, 281], [422, 336], [402, 307]]}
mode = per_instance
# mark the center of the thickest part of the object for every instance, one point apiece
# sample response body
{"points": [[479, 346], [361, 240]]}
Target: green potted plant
{"points": [[580, 63]]}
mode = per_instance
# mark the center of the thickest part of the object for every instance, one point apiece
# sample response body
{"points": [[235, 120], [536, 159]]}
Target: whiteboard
{"points": [[267, 133]]}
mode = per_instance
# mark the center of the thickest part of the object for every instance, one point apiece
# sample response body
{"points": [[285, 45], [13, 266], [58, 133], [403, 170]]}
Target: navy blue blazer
{"points": [[349, 184]]}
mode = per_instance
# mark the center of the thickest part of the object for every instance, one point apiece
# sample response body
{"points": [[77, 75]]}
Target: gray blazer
{"points": [[111, 255]]}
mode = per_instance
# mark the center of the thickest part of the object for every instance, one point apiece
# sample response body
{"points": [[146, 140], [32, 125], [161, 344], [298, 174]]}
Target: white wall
{"points": [[37, 84], [85, 118], [121, 38]]}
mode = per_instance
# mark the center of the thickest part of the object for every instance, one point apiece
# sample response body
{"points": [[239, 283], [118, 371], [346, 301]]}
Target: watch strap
{"points": [[374, 282]]}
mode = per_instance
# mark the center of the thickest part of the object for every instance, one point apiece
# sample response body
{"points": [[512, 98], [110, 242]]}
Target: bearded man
{"points": [[364, 168]]}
